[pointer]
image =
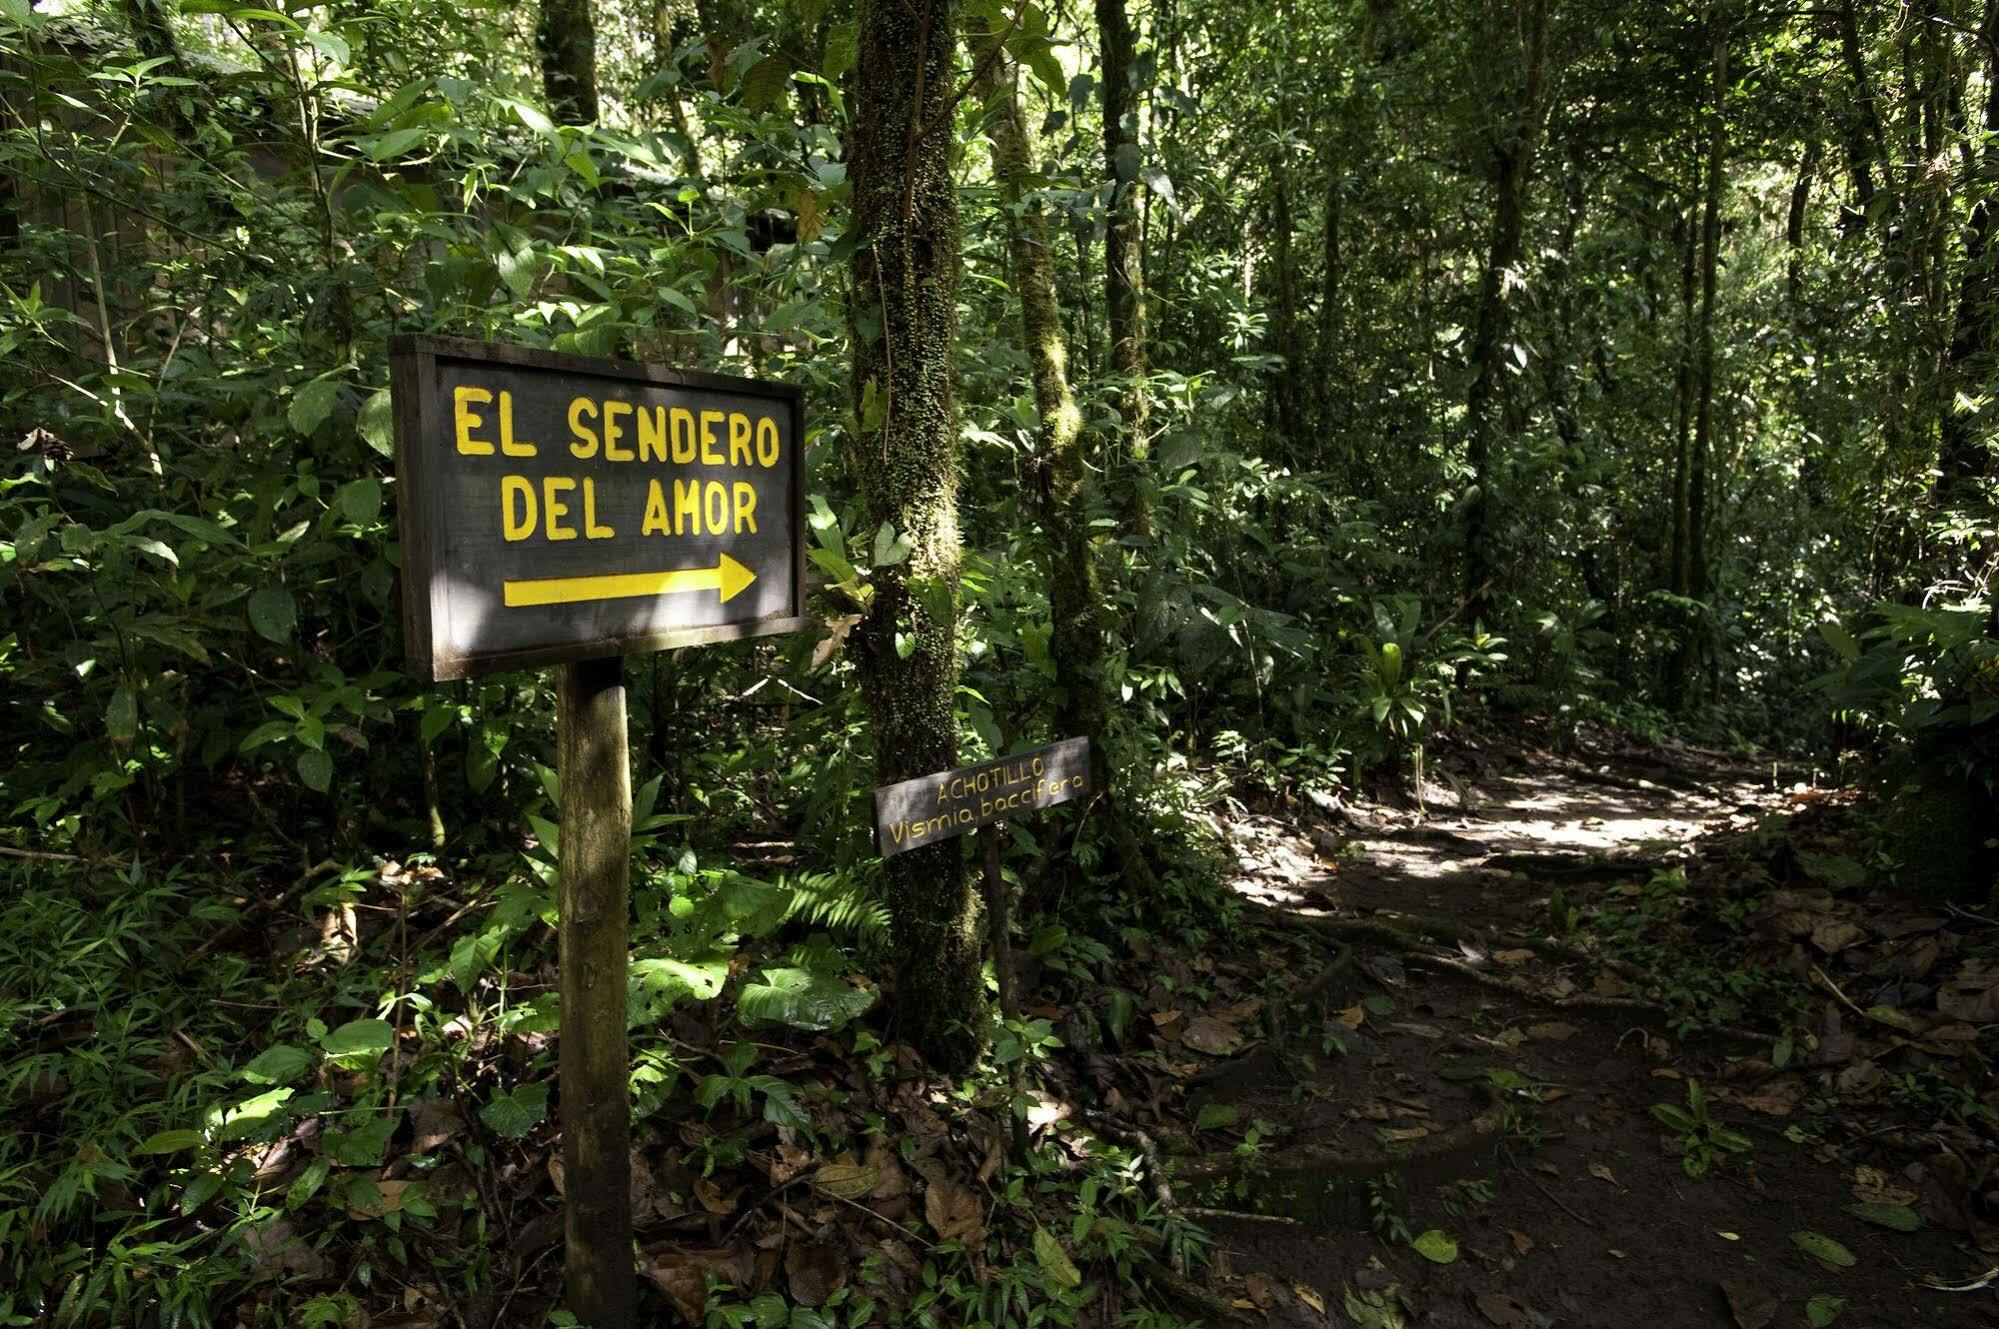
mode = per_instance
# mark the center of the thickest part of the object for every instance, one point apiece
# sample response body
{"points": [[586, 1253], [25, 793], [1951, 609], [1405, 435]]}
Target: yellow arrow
{"points": [[728, 577]]}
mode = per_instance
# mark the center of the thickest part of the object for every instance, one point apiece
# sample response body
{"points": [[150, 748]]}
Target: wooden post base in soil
{"points": [[594, 766]]}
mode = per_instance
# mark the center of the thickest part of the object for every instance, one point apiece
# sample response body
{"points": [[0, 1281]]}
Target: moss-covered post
{"points": [[593, 765], [902, 314]]}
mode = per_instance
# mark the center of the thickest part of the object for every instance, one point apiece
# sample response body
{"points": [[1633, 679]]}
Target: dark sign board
{"points": [[555, 507], [935, 807]]}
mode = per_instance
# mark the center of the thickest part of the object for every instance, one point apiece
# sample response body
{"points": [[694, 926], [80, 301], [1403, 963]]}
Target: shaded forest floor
{"points": [[1461, 1129], [1438, 1066]]}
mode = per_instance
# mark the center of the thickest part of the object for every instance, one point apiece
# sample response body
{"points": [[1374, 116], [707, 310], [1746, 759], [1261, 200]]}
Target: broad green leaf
{"points": [[512, 1114], [532, 118], [312, 403], [843, 44], [1436, 1246], [253, 1114], [358, 1044], [281, 1063], [315, 769], [360, 501], [398, 141], [1821, 1247], [273, 612], [376, 423], [802, 999], [365, 1144], [1055, 1261], [171, 1142], [121, 717], [764, 83], [1823, 1309], [1898, 1217], [1213, 1116]]}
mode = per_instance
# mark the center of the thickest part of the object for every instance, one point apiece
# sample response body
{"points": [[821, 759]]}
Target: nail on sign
{"points": [[935, 807], [555, 507]]}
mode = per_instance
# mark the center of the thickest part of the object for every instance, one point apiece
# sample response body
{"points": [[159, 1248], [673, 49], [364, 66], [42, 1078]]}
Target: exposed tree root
{"points": [[1323, 1183], [1265, 1057], [1212, 1305], [1579, 1001]]}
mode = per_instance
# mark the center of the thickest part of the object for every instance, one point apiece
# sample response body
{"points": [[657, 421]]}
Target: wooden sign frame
{"points": [[937, 807], [422, 416]]}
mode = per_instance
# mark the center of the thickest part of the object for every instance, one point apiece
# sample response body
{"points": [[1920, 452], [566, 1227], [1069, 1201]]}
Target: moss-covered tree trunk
{"points": [[1964, 455], [902, 312], [565, 40], [1124, 266], [1075, 594]]}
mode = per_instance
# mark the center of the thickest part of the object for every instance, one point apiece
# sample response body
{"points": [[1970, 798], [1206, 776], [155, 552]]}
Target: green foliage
{"points": [[1702, 1142]]}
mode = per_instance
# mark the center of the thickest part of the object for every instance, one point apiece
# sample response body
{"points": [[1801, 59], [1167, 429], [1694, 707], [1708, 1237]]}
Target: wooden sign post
{"points": [[916, 812], [560, 510]]}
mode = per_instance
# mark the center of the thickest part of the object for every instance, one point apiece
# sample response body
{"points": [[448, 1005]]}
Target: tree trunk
{"points": [[1963, 455], [1794, 225], [902, 313], [1484, 403], [1866, 139], [1704, 375], [1285, 327], [667, 34], [1124, 285], [1679, 574], [1074, 594], [565, 39]]}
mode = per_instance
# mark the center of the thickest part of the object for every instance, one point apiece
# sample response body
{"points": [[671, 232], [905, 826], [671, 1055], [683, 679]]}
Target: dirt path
{"points": [[1501, 1095]]}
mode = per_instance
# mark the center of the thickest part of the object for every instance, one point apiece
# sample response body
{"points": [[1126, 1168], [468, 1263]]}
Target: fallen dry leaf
{"points": [[713, 1198], [1216, 1038], [1352, 1016], [1603, 1171], [1753, 1306], [1310, 1296], [814, 1272], [1871, 1186], [849, 1181], [434, 1122], [1505, 1311], [1521, 1241], [391, 1200], [1833, 935], [1516, 956], [953, 1211], [681, 1283]]}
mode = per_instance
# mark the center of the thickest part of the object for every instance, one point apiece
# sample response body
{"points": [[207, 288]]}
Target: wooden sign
{"points": [[935, 807], [555, 507], [561, 510]]}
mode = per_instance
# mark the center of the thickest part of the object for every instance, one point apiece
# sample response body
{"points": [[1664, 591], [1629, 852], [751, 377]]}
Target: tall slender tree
{"points": [[1124, 267], [902, 315], [1964, 455], [565, 38], [1075, 590], [1523, 24]]}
